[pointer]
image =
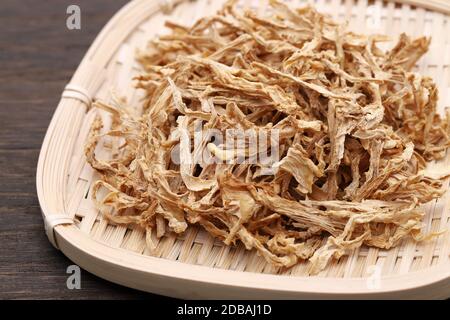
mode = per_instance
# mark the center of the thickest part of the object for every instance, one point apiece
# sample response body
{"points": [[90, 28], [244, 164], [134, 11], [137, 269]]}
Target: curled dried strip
{"points": [[356, 129]]}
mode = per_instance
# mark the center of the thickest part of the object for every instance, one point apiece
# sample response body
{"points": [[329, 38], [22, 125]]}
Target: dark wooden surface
{"points": [[38, 55]]}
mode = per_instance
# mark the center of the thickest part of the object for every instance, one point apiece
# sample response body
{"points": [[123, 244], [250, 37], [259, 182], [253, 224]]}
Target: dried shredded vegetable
{"points": [[357, 128]]}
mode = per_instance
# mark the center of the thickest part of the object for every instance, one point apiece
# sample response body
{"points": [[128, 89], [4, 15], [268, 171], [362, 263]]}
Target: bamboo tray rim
{"points": [[71, 236], [97, 257]]}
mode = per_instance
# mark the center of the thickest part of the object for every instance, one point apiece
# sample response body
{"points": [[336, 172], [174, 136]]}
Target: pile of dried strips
{"points": [[357, 129]]}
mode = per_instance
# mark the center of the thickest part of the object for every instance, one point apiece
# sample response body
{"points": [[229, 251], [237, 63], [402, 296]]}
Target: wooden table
{"points": [[38, 56]]}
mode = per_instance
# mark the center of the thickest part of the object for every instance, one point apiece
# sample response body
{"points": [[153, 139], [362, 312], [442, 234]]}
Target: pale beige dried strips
{"points": [[357, 128]]}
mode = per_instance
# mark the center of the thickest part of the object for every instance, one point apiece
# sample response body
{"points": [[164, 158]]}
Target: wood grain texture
{"points": [[38, 56]]}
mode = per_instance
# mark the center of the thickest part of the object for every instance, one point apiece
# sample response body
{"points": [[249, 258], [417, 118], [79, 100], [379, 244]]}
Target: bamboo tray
{"points": [[194, 265]]}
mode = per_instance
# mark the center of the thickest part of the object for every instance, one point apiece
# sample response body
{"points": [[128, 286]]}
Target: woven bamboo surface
{"points": [[64, 178]]}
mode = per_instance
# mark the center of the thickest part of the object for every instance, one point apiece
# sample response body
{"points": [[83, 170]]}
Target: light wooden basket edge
{"points": [[442, 6], [172, 278]]}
